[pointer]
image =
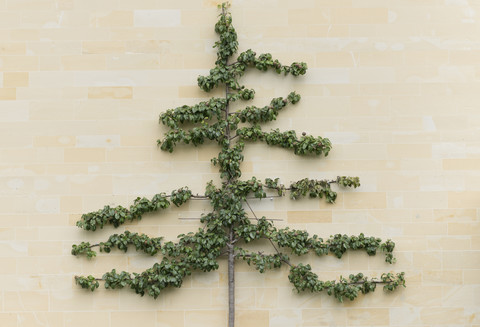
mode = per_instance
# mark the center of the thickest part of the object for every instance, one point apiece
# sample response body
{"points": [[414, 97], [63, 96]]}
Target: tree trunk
{"points": [[231, 281]]}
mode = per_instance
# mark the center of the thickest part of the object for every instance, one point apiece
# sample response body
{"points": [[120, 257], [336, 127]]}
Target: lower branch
{"points": [[301, 243], [193, 252], [302, 277]]}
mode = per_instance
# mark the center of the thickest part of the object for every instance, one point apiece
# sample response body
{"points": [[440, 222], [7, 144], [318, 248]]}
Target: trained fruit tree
{"points": [[228, 228]]}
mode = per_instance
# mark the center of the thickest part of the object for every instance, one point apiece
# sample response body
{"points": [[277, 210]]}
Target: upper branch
{"points": [[311, 187], [228, 44], [265, 61], [320, 188], [195, 136], [228, 74], [194, 114], [268, 113], [304, 145]]}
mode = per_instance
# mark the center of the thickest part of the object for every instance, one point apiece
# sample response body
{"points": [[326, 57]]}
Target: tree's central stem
{"points": [[231, 280], [231, 232]]}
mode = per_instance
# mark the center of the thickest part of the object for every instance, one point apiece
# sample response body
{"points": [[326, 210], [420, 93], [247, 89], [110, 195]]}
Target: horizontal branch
{"points": [[255, 115], [195, 136], [116, 216], [121, 241], [301, 243], [304, 279], [193, 251], [265, 61], [311, 187], [194, 114], [199, 218], [263, 261], [305, 145], [199, 197]]}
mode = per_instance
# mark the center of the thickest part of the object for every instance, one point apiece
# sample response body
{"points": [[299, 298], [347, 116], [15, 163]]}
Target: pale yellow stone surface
{"points": [[110, 92], [296, 217], [17, 79], [393, 84], [8, 94]]}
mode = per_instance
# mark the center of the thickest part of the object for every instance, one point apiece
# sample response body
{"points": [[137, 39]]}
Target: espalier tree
{"points": [[228, 228]]}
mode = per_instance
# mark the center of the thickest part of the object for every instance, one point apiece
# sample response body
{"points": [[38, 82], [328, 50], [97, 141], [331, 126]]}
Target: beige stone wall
{"points": [[395, 85]]}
